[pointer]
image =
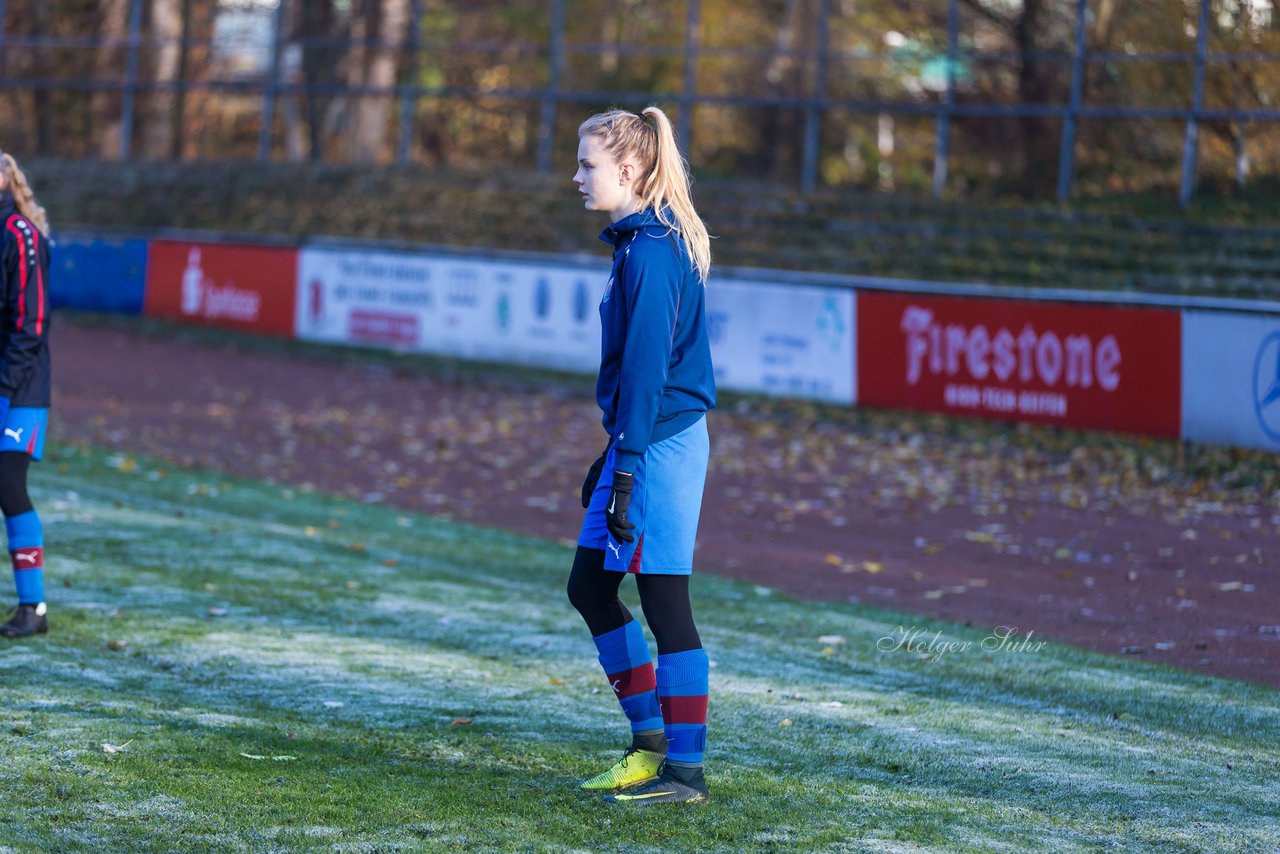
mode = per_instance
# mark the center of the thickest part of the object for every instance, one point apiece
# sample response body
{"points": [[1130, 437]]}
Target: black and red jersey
{"points": [[24, 309]]}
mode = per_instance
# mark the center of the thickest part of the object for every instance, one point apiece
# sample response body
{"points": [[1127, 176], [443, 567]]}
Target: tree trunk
{"points": [[1035, 86], [166, 25], [113, 25], [775, 138], [385, 25], [44, 114], [319, 68]]}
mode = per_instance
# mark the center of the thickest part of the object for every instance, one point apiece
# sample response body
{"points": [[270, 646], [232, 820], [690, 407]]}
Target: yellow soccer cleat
{"points": [[635, 767]]}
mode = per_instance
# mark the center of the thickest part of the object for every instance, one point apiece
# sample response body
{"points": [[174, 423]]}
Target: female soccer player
{"points": [[644, 494], [24, 387]]}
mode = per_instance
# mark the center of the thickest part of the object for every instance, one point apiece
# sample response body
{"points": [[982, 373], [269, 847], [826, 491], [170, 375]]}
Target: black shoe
{"points": [[27, 620], [673, 786]]}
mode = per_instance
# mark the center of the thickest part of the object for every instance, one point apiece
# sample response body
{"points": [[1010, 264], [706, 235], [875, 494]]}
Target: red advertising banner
{"points": [[250, 288], [1096, 367]]}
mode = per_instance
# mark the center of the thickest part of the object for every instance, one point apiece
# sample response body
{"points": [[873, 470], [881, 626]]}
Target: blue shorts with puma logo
{"points": [[24, 430], [665, 504]]}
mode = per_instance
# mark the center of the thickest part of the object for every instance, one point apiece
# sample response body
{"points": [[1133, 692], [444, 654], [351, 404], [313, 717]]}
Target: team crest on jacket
{"points": [[608, 290]]}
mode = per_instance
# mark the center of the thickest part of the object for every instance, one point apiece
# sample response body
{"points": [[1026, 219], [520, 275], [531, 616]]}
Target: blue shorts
{"points": [[24, 430], [665, 504]]}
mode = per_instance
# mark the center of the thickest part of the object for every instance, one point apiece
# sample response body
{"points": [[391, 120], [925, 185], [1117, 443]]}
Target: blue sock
{"points": [[682, 693], [26, 548], [624, 655]]}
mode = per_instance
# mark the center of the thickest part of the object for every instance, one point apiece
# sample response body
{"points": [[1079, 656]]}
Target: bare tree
{"points": [[112, 28], [378, 36], [166, 26]]}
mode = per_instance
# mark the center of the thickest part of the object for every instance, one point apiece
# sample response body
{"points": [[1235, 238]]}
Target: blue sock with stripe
{"points": [[624, 655], [26, 548], [682, 693]]}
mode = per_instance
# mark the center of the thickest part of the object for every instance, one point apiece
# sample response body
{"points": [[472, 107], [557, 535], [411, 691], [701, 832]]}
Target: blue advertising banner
{"points": [[98, 274]]}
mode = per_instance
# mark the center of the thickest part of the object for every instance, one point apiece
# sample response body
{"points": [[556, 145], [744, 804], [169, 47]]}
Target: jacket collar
{"points": [[616, 233], [7, 205]]}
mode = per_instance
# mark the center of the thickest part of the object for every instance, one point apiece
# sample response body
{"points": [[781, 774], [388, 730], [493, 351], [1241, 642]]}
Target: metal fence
{"points": [[943, 104]]}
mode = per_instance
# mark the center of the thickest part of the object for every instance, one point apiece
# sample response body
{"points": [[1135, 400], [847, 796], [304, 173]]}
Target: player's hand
{"points": [[593, 477], [615, 513]]}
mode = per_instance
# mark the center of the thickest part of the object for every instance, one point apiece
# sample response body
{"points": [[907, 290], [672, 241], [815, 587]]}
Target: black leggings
{"points": [[593, 590], [14, 499]]}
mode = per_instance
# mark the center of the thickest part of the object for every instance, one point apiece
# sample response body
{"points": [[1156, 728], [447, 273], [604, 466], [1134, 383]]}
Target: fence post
{"points": [[1067, 154], [409, 90], [130, 78], [550, 98], [1197, 103], [942, 148], [692, 39], [813, 113], [273, 85]]}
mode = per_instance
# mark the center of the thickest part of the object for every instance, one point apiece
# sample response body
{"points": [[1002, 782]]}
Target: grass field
{"points": [[240, 667]]}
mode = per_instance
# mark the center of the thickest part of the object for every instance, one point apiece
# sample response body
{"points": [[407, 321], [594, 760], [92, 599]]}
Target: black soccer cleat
{"points": [[27, 620], [673, 786]]}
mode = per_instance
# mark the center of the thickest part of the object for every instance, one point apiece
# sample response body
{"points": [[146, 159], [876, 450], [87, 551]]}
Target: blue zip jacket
{"points": [[655, 358]]}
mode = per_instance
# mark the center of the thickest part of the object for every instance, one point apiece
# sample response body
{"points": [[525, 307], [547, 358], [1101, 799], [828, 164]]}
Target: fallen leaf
{"points": [[460, 722], [115, 748], [284, 757]]}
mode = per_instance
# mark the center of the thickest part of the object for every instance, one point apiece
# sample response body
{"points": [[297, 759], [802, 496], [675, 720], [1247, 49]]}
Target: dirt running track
{"points": [[1104, 546]]}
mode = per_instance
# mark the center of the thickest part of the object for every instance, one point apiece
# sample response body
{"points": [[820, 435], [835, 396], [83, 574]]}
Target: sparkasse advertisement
{"points": [[249, 288], [1098, 367]]}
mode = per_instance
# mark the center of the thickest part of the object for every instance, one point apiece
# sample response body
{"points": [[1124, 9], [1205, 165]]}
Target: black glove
{"points": [[593, 477], [615, 514]]}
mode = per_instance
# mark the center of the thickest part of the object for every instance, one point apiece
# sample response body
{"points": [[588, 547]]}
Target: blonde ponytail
{"points": [[23, 197], [664, 183]]}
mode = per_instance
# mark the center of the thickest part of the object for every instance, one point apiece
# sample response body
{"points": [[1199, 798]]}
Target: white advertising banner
{"points": [[1231, 379], [782, 339], [766, 337], [527, 313]]}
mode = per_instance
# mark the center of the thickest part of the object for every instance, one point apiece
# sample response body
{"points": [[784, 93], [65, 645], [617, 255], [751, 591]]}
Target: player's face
{"points": [[605, 184]]}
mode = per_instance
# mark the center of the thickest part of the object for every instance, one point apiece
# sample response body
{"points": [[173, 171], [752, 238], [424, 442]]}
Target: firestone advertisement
{"points": [[1097, 367]]}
